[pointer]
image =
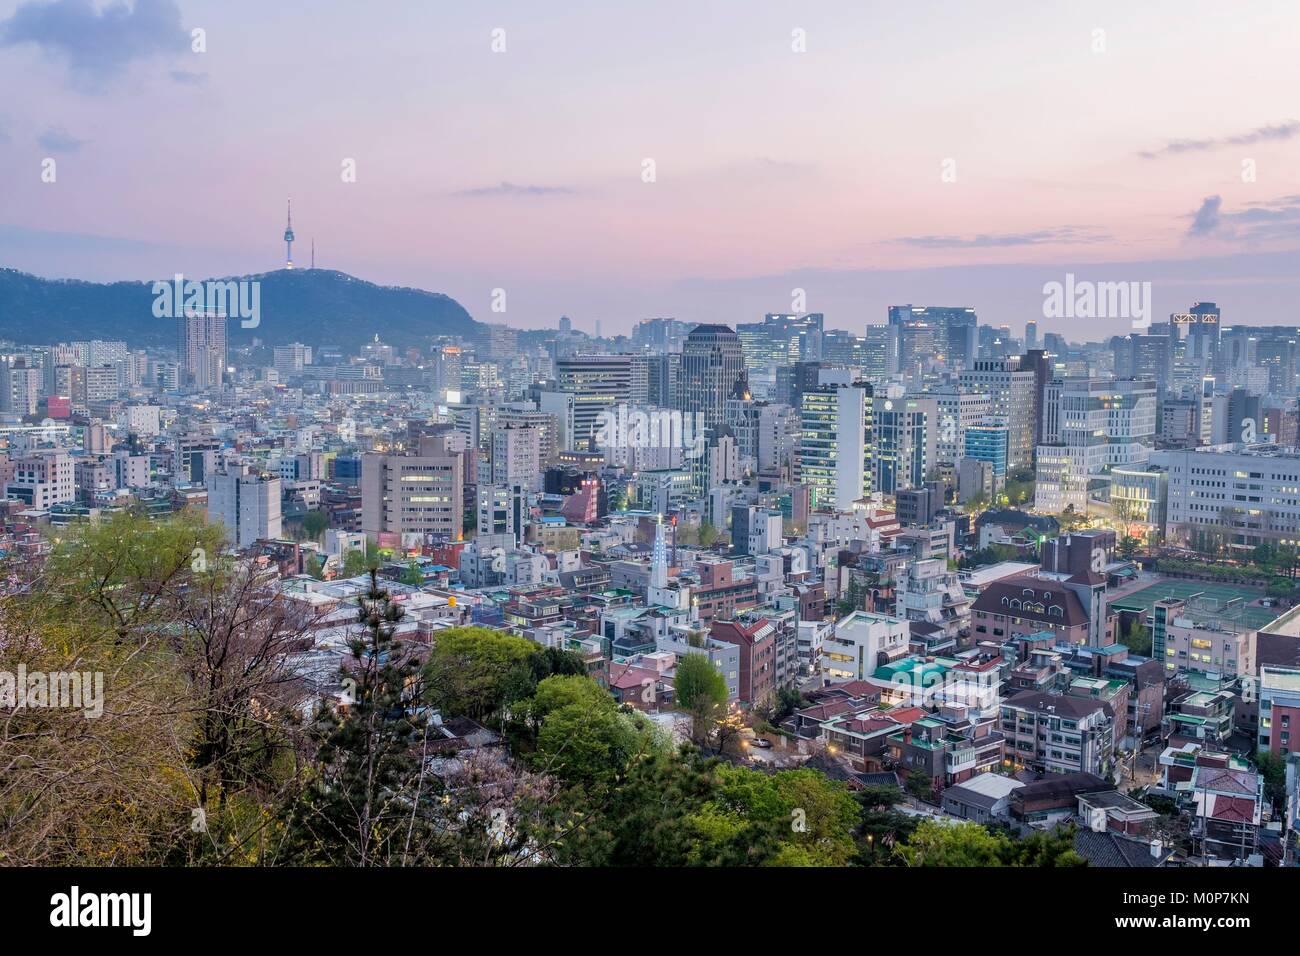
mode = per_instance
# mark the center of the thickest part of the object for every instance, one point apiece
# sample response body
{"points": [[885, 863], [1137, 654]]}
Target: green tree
{"points": [[357, 561], [935, 843], [314, 524], [645, 820], [1137, 638], [315, 567], [966, 844], [881, 826], [920, 785], [708, 534], [698, 685], [789, 818], [471, 671], [412, 575], [590, 744], [1273, 769]]}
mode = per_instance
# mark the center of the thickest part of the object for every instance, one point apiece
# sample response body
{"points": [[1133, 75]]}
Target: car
{"points": [[762, 743]]}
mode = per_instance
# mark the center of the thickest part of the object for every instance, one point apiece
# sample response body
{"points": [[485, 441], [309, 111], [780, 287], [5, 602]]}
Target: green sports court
{"points": [[1145, 598]]}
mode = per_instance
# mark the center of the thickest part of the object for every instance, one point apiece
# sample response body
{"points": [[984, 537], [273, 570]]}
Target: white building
{"points": [[958, 408], [1100, 424], [1253, 490], [247, 504], [516, 457], [835, 453], [930, 593], [862, 642], [43, 478], [142, 420]]}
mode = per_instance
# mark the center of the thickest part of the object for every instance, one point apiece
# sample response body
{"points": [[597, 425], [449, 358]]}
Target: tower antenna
{"points": [[288, 238]]}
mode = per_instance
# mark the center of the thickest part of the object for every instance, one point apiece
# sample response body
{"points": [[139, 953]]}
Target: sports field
{"points": [[1145, 599]]}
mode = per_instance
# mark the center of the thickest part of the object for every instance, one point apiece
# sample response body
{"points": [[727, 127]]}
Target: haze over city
{"points": [[867, 153]]}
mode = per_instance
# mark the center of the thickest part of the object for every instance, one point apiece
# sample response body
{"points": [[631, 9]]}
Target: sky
{"points": [[613, 161]]}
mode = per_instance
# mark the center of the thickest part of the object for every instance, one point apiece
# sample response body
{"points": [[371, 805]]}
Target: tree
{"points": [[314, 524], [357, 562], [708, 534], [315, 568], [474, 671], [412, 575], [701, 691], [362, 806], [590, 746], [1071, 520], [104, 781], [958, 844], [881, 827], [645, 820], [1273, 769], [1137, 638], [789, 818], [920, 785], [233, 644], [966, 844], [1281, 588]]}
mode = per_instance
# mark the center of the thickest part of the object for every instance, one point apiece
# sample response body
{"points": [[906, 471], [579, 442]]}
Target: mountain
{"points": [[319, 307]]}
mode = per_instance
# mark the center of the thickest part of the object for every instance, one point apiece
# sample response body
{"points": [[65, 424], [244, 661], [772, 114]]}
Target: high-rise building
{"points": [[1203, 332], [1147, 357], [246, 503], [882, 352], [1011, 394], [421, 494], [20, 386], [202, 349], [598, 383], [835, 453], [291, 359], [958, 408], [1102, 423], [781, 339], [1031, 335], [986, 440], [516, 457], [940, 333], [713, 370], [905, 433]]}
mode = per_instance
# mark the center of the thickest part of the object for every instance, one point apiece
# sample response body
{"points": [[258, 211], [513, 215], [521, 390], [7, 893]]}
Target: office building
{"points": [[246, 503]]}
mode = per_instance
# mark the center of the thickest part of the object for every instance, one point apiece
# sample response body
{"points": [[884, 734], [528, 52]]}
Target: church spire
{"points": [[659, 558]]}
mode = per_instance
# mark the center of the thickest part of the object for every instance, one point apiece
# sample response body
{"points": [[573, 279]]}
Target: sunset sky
{"points": [[775, 169]]}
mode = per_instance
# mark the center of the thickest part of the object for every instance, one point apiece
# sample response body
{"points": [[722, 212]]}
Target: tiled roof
{"points": [[1023, 597]]}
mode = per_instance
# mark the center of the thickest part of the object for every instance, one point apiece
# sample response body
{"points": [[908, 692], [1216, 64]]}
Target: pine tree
{"points": [[366, 804]]}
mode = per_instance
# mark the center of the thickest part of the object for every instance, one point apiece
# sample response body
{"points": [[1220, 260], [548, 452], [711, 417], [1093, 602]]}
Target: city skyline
{"points": [[851, 153]]}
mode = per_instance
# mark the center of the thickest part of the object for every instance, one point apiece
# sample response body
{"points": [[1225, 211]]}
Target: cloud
{"points": [[97, 43], [1064, 235], [513, 189], [1257, 222], [189, 78], [1278, 132], [59, 141], [1208, 218]]}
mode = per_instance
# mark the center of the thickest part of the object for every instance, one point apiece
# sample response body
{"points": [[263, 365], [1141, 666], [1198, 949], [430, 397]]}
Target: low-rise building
{"points": [[1058, 733]]}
